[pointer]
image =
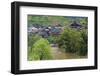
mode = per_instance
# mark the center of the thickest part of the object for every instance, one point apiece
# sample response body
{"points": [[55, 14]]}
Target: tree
{"points": [[84, 43], [70, 40], [41, 50], [74, 41], [32, 39]]}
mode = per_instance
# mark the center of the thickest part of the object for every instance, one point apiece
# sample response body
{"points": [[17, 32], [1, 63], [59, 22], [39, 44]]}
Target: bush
{"points": [[84, 43], [41, 50], [69, 40], [32, 39], [52, 39], [73, 41]]}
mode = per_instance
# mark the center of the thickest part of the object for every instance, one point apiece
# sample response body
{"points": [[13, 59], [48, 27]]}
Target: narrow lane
{"points": [[59, 54]]}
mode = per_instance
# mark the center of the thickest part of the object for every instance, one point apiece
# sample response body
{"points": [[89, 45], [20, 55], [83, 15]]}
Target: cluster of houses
{"points": [[45, 32], [76, 25]]}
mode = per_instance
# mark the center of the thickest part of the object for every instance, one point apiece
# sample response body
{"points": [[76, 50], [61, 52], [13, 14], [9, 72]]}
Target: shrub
{"points": [[52, 39], [69, 40], [73, 41], [32, 39], [41, 50], [84, 43]]}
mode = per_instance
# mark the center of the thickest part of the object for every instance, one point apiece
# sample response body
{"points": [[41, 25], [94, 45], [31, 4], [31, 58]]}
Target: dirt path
{"points": [[58, 54]]}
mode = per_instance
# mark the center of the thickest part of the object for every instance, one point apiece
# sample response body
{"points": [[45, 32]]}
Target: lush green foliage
{"points": [[53, 20], [84, 43], [73, 41], [52, 39], [41, 50], [32, 39], [69, 40]]}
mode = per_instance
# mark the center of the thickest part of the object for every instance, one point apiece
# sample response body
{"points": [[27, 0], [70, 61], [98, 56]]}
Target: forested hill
{"points": [[46, 20]]}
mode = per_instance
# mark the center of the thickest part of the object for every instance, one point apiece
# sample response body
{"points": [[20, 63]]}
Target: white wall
{"points": [[5, 41]]}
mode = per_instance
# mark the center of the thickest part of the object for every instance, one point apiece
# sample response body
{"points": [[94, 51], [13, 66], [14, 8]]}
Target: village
{"points": [[56, 37], [54, 30]]}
